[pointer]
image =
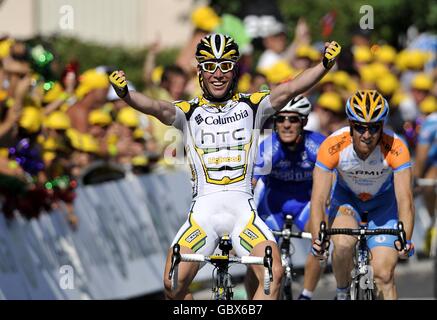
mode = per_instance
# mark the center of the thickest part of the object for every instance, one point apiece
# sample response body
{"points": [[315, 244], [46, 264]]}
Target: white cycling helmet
{"points": [[298, 104]]}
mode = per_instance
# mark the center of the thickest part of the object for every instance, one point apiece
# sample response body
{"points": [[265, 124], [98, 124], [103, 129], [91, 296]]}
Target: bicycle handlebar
{"points": [[400, 232], [287, 233], [266, 261], [426, 182]]}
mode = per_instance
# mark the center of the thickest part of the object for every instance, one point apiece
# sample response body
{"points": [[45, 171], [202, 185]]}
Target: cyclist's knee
{"points": [[384, 277], [343, 244]]}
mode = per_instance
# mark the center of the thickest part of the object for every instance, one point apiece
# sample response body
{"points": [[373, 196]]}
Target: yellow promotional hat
{"points": [[331, 101], [387, 84], [422, 82], [386, 54], [99, 117], [57, 120], [428, 105], [205, 18], [90, 80], [128, 117], [362, 54], [281, 71], [31, 119]]}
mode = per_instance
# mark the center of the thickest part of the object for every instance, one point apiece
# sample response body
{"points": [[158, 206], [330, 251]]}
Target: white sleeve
{"points": [[265, 110], [180, 119]]}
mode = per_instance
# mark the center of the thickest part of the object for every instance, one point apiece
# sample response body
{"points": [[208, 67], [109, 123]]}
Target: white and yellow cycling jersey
{"points": [[221, 140]]}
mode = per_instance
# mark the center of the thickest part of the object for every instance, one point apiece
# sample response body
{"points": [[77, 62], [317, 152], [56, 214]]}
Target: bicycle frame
{"points": [[362, 276]]}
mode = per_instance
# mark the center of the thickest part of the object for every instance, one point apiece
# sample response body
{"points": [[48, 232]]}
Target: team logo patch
{"points": [[193, 236], [380, 238], [198, 119], [250, 234]]}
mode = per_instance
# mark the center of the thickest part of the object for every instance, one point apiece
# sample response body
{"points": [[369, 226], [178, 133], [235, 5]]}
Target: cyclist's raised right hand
{"points": [[119, 83]]}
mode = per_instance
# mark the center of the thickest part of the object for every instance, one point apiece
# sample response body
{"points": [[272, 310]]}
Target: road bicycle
{"points": [[287, 250], [363, 284]]}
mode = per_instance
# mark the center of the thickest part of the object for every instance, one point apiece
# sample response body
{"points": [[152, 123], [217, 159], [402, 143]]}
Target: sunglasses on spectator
{"points": [[211, 66], [292, 119], [372, 128]]}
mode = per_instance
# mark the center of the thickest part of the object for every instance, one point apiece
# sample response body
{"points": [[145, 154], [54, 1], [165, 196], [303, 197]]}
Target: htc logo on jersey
{"points": [[224, 120]]}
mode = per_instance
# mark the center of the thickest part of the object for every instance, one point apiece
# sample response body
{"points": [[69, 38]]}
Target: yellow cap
{"points": [[244, 83], [5, 47], [341, 78], [327, 78], [308, 52], [387, 84], [367, 74], [3, 94], [428, 105], [205, 18], [281, 71], [401, 60], [90, 80], [416, 59], [157, 74], [362, 54], [422, 81], [128, 117], [140, 161], [48, 156], [54, 93], [138, 133], [386, 54], [331, 101], [31, 119], [99, 117], [397, 98], [379, 69], [89, 143], [57, 120]]}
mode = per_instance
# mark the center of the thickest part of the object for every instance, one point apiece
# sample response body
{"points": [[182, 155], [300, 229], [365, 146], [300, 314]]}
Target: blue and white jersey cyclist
{"points": [[284, 167], [284, 176]]}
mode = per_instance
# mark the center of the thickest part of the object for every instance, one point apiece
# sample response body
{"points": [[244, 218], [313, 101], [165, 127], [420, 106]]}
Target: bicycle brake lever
{"points": [[175, 259], [268, 261], [402, 236]]}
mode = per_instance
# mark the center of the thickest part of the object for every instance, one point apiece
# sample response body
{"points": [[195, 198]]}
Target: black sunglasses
{"points": [[292, 119], [373, 128]]}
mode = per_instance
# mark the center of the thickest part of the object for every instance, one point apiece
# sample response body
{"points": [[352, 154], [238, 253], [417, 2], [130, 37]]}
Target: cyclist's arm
{"points": [[404, 199], [164, 111], [319, 198], [421, 157], [283, 93]]}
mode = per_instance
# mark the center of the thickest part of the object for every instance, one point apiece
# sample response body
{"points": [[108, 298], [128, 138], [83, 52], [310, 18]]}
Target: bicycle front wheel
{"points": [[358, 292], [286, 288]]}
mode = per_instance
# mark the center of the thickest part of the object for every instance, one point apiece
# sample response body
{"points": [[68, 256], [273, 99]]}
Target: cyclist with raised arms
{"points": [[221, 129], [373, 182], [283, 173]]}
